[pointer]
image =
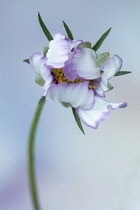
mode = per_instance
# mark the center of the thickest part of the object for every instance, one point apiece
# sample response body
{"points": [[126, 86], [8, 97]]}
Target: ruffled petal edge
{"points": [[98, 113]]}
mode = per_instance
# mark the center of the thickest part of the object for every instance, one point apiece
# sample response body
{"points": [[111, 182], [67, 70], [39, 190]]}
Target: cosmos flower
{"points": [[70, 75], [73, 74]]}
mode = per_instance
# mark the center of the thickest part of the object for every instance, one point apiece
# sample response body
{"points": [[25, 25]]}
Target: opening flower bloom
{"points": [[74, 75]]}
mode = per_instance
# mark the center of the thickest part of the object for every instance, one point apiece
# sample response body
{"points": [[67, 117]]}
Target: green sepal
{"points": [[77, 119], [120, 73], [45, 50], [110, 87], [26, 61], [102, 58], [39, 80], [68, 31], [100, 41], [44, 28], [85, 45], [65, 104], [42, 100]]}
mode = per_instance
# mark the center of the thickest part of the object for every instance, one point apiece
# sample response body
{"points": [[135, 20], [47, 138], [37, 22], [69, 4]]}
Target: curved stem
{"points": [[31, 168]]}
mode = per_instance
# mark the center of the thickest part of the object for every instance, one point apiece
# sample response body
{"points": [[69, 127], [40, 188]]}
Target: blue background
{"points": [[100, 170]]}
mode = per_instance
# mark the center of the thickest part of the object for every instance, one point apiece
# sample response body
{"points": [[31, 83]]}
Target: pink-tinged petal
{"points": [[38, 62], [82, 65], [98, 113], [59, 51], [47, 76], [98, 89], [74, 43], [110, 68], [34, 59], [67, 69], [118, 62], [76, 94]]}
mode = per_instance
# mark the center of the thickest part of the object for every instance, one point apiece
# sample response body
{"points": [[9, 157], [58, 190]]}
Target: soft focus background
{"points": [[98, 171]]}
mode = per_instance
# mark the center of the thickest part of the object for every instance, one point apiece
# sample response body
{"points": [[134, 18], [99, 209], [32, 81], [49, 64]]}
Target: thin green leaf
{"points": [[100, 41], [44, 28], [77, 119], [120, 73], [68, 31], [26, 61]]}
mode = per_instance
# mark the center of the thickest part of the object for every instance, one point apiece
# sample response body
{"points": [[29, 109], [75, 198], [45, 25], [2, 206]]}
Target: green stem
{"points": [[31, 167]]}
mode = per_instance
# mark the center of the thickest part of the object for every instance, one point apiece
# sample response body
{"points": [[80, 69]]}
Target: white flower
{"points": [[73, 78]]}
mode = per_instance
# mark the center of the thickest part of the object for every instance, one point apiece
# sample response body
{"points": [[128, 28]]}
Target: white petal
{"points": [[38, 62], [118, 62], [47, 76], [34, 59], [59, 51], [77, 94], [98, 89], [82, 65], [74, 43], [58, 35], [99, 112], [110, 68]]}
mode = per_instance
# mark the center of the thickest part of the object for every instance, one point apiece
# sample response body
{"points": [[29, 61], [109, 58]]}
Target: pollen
{"points": [[59, 74], [91, 86], [60, 80], [59, 70], [64, 79]]}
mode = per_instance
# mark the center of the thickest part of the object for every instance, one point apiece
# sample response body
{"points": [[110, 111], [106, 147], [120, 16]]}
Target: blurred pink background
{"points": [[100, 170]]}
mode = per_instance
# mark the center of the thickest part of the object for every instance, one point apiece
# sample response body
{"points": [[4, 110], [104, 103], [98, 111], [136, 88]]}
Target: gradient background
{"points": [[99, 171]]}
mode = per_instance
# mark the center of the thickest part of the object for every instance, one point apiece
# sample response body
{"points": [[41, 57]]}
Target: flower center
{"points": [[61, 78]]}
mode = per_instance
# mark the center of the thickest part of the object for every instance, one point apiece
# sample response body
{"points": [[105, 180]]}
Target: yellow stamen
{"points": [[61, 75], [61, 78], [59, 70], [57, 74], [91, 86], [64, 79], [68, 81]]}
